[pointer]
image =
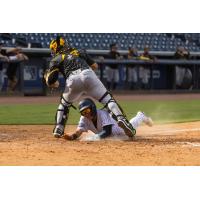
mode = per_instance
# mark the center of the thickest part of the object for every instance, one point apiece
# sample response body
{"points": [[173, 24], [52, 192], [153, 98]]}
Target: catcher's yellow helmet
{"points": [[56, 45]]}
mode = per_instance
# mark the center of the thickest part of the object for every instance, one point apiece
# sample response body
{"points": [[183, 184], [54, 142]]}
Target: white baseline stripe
{"points": [[195, 144], [177, 130]]}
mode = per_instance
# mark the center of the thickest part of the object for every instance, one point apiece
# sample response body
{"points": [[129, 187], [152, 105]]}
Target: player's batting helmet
{"points": [[88, 103]]}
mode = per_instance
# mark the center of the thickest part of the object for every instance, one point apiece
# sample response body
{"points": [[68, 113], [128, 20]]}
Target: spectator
{"points": [[132, 70], [181, 53], [3, 58], [15, 56], [146, 55], [112, 71], [145, 70], [183, 74]]}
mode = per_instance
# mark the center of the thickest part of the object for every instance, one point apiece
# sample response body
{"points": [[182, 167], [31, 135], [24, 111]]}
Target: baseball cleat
{"points": [[127, 127], [147, 120], [58, 133]]}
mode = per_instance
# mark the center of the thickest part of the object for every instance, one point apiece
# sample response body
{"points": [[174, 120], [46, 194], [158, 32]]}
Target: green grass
{"points": [[160, 111]]}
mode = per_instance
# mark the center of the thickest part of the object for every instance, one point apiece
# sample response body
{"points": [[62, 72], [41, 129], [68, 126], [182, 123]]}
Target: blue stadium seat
{"points": [[157, 41]]}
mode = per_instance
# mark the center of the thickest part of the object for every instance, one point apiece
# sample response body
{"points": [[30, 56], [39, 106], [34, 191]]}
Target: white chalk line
{"points": [[193, 144], [176, 130], [4, 134]]}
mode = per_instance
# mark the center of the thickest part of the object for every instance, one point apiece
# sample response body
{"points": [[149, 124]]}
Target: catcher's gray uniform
{"points": [[82, 82], [81, 79]]}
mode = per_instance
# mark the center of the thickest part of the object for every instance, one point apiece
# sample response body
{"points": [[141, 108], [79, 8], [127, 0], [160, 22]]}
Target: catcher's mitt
{"points": [[51, 78]]}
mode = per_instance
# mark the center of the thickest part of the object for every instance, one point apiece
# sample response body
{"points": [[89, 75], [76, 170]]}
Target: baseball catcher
{"points": [[77, 68], [101, 123]]}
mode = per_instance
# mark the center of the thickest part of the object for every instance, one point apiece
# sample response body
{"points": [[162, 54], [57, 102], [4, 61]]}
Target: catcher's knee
{"points": [[112, 106], [106, 98]]}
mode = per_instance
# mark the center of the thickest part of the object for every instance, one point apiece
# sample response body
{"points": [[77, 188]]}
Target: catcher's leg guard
{"points": [[117, 113], [61, 117]]}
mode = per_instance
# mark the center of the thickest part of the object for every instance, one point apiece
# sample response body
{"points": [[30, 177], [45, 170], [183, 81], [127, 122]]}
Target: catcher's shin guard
{"points": [[61, 118], [117, 114]]}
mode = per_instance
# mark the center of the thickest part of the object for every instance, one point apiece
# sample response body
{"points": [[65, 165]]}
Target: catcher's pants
{"points": [[86, 82], [82, 82]]}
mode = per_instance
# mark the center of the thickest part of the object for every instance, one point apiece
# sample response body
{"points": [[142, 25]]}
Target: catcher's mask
{"points": [[87, 106], [58, 45]]}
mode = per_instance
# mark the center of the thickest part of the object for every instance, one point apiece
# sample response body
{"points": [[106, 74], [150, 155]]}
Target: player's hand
{"points": [[54, 85], [68, 137], [71, 137]]}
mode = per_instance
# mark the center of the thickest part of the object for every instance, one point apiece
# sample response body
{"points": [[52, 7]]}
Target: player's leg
{"points": [[116, 78], [61, 117], [12, 82], [117, 113], [109, 76], [71, 93], [97, 90], [1, 79], [141, 118]]}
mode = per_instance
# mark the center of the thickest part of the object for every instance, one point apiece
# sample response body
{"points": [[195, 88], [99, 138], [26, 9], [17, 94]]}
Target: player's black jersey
{"points": [[113, 55], [66, 63]]}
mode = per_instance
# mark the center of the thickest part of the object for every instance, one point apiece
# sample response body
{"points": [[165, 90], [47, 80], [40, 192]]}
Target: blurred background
{"points": [[130, 62]]}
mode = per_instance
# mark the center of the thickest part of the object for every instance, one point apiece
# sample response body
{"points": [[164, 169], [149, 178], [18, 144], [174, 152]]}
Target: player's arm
{"points": [[13, 50], [75, 135], [94, 66], [4, 58], [107, 130], [89, 60], [81, 128]]}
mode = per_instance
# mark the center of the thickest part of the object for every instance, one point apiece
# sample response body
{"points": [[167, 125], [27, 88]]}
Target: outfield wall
{"points": [[160, 74]]}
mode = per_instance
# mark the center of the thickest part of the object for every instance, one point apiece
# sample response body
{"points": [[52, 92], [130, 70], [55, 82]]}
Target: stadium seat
{"points": [[156, 41]]}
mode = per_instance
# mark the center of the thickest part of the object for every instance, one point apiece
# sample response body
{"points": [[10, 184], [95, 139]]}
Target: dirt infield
{"points": [[174, 144], [168, 144]]}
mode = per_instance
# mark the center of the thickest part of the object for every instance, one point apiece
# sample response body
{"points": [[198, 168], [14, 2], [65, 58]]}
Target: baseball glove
{"points": [[51, 78]]}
